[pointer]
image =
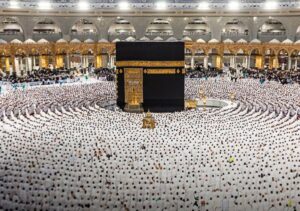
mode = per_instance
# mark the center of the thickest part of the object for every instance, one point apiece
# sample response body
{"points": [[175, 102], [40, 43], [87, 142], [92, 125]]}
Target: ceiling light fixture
{"points": [[44, 5], [83, 5], [203, 5], [271, 5], [234, 5], [124, 5], [161, 5], [14, 4]]}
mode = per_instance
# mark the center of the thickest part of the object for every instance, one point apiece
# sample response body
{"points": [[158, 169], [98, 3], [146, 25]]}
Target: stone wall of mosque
{"points": [[178, 24], [272, 42]]}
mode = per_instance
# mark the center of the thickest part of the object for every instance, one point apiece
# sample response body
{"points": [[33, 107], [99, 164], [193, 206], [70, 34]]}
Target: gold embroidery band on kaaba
{"points": [[160, 71], [150, 63]]}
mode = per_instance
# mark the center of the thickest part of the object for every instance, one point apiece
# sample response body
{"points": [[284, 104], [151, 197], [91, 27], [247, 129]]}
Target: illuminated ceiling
{"points": [[149, 7]]}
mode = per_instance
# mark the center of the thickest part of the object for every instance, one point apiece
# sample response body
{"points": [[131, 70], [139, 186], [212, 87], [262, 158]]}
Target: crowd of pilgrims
{"points": [[49, 76], [61, 150], [284, 77]]}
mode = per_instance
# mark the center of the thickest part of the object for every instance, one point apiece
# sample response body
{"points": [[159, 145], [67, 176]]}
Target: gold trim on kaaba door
{"points": [[150, 63]]}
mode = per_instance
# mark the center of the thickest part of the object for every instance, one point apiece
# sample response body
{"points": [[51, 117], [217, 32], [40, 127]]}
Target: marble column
{"points": [[289, 63], [109, 61], [12, 67], [231, 62], [26, 66], [16, 64], [205, 62], [192, 62], [29, 61], [7, 64], [84, 61], [245, 61], [112, 62], [249, 62], [68, 61], [21, 67], [34, 64]]}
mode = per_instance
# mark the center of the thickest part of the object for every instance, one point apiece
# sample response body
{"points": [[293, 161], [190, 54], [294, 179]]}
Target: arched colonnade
{"points": [[248, 55], [26, 57]]}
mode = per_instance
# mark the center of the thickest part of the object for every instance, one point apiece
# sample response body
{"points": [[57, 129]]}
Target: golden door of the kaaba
{"points": [[133, 86]]}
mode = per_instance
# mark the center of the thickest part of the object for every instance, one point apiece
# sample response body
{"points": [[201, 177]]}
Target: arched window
{"points": [[10, 29], [272, 29], [121, 29], [46, 29], [235, 27], [196, 27], [159, 27], [84, 26], [84, 29]]}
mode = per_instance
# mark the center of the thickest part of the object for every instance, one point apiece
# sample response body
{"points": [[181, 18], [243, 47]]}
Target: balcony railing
{"points": [[268, 36], [206, 37], [84, 36], [297, 37], [159, 33], [235, 36], [52, 37], [11, 36], [121, 36]]}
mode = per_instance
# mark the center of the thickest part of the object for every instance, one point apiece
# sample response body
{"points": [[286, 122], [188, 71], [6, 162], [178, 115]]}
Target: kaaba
{"points": [[150, 76]]}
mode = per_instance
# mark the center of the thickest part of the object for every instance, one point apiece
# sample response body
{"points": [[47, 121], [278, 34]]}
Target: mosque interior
{"points": [[78, 125]]}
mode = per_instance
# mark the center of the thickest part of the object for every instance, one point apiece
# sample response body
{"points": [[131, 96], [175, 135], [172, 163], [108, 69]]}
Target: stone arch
{"points": [[46, 25], [121, 29], [46, 28], [255, 51], [197, 28], [78, 25], [272, 29], [269, 52], [215, 59], [188, 51], [84, 29], [283, 59], [241, 51], [33, 52], [20, 52], [270, 59], [235, 27], [159, 27], [200, 52], [256, 58], [11, 29], [272, 26], [214, 51]]}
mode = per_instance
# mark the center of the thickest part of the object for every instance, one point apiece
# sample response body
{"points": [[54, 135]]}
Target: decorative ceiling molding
{"points": [[147, 7]]}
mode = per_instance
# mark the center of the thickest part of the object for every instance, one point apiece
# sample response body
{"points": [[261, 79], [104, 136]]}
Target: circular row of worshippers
{"points": [[84, 157]]}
